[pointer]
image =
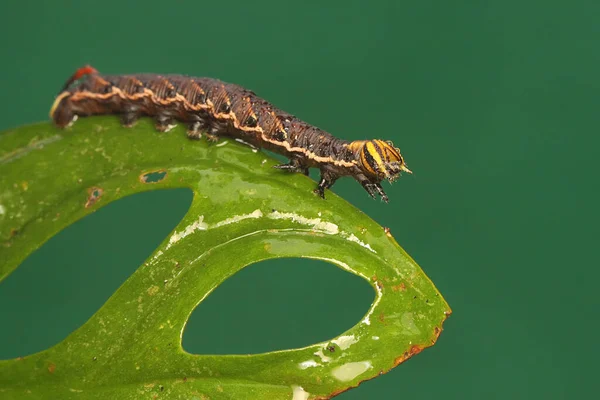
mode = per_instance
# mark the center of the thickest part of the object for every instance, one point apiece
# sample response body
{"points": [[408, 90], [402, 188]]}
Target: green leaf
{"points": [[243, 211]]}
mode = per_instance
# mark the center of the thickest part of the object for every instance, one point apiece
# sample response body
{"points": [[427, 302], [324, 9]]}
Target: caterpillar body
{"points": [[215, 108]]}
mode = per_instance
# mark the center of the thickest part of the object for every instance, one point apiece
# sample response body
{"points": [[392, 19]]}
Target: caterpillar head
{"points": [[61, 111], [379, 158]]}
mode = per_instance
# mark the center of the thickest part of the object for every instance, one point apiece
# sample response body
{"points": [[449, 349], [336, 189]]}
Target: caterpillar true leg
{"points": [[327, 180], [323, 184], [381, 192], [371, 187]]}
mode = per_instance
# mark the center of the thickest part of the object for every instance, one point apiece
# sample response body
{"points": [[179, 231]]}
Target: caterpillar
{"points": [[215, 108]]}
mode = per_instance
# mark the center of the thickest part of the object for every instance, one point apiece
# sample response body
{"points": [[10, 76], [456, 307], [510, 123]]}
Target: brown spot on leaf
{"points": [[401, 287], [415, 349], [377, 282], [51, 368], [381, 318], [94, 195]]}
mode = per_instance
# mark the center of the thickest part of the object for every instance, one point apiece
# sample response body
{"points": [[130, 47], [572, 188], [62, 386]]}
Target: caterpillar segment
{"points": [[212, 108]]}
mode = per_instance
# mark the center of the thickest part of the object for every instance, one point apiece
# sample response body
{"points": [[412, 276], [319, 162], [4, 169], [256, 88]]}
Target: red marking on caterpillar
{"points": [[215, 108], [81, 72]]}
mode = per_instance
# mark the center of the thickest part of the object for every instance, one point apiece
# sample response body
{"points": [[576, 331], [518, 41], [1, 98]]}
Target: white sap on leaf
{"points": [[320, 225], [222, 144], [314, 223], [199, 225], [349, 371], [354, 239], [299, 393], [323, 357], [237, 218], [2, 210], [344, 266], [367, 319], [308, 364], [344, 342], [156, 256], [375, 337]]}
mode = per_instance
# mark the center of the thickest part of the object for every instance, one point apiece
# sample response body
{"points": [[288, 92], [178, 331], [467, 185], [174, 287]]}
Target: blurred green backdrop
{"points": [[494, 105]]}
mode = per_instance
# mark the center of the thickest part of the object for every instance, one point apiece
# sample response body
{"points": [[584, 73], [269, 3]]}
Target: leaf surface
{"points": [[243, 211]]}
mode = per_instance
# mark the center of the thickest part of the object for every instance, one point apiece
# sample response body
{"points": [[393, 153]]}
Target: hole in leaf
{"points": [[94, 195], [153, 177], [275, 305], [62, 284]]}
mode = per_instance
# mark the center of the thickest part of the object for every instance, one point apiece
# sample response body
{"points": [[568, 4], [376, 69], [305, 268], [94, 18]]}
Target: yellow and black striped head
{"points": [[379, 158]]}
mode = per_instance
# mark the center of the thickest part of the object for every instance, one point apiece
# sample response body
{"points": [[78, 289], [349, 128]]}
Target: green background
{"points": [[494, 105]]}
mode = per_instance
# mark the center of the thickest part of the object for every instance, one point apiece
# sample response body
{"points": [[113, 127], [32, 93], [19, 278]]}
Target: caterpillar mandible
{"points": [[216, 109]]}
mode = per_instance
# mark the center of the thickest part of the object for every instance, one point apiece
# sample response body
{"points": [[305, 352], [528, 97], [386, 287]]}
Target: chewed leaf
{"points": [[243, 211]]}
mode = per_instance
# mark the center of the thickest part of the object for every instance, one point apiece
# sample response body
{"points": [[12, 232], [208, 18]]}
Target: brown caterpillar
{"points": [[223, 109]]}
